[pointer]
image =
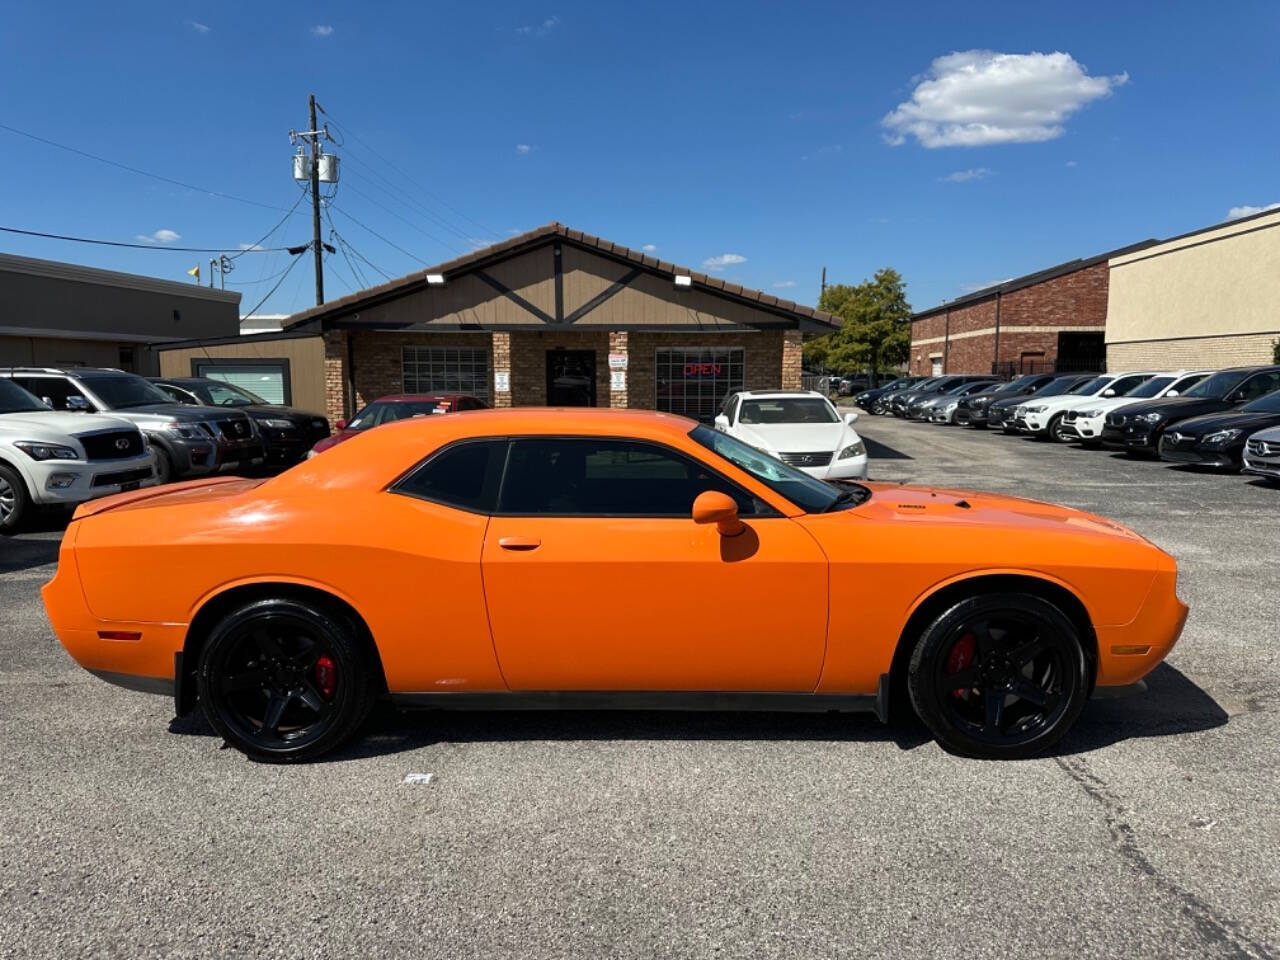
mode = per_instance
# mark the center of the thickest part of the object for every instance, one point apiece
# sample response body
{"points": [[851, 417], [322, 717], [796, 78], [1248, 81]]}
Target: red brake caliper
{"points": [[326, 676], [961, 656]]}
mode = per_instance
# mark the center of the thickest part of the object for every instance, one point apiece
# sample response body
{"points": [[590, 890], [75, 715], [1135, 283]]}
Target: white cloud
{"points": [[784, 285], [252, 246], [539, 29], [980, 97], [963, 176], [1235, 213], [1072, 163], [198, 27], [524, 148], [322, 30], [160, 236], [650, 248], [722, 261]]}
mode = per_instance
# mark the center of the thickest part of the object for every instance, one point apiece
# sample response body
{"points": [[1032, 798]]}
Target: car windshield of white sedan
{"points": [[812, 496], [13, 399], [789, 410]]}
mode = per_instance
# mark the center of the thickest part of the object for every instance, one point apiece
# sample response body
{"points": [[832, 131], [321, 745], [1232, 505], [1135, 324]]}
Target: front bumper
{"points": [[852, 468], [1262, 468], [1082, 428], [1192, 452], [1129, 652], [196, 458], [76, 481]]}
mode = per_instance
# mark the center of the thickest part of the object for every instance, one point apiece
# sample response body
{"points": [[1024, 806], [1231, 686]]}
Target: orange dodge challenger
{"points": [[537, 558]]}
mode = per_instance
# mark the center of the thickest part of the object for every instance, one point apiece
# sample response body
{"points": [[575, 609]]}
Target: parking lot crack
{"points": [[1215, 930]]}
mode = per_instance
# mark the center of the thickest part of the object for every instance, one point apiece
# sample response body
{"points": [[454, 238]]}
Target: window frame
{"points": [[729, 386], [498, 464], [482, 388], [201, 365]]}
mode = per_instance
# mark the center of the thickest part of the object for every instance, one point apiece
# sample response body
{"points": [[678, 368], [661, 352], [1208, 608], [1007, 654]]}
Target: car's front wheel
{"points": [[15, 502], [283, 681], [999, 676]]}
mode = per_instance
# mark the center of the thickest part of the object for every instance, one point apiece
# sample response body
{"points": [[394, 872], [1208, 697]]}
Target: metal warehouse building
{"points": [[1054, 319], [553, 316], [63, 314], [1205, 299]]}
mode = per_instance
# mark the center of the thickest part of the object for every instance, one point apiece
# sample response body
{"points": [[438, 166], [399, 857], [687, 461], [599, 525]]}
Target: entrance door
{"points": [[597, 578], [571, 378]]}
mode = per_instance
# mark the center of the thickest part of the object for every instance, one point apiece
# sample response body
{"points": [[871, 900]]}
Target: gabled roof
{"points": [[1031, 279], [479, 259]]}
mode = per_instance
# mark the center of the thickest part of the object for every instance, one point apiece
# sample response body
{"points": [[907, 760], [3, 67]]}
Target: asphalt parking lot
{"points": [[1153, 831]]}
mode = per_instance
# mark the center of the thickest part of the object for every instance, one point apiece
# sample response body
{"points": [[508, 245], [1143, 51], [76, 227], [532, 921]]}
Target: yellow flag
{"points": [[195, 272]]}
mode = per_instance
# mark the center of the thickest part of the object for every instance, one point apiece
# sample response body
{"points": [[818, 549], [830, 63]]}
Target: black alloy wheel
{"points": [[284, 681], [999, 676]]}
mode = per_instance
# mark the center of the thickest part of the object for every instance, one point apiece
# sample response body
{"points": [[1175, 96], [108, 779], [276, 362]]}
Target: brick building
{"points": [[1053, 319], [553, 316]]}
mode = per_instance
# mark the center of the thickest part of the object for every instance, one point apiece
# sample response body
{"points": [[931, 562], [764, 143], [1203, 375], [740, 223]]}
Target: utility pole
{"points": [[824, 281], [307, 168]]}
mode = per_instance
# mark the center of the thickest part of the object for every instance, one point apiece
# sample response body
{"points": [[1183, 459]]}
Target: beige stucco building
{"points": [[1205, 299]]}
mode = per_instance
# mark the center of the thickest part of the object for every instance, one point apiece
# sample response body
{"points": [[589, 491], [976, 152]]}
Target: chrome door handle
{"points": [[519, 543]]}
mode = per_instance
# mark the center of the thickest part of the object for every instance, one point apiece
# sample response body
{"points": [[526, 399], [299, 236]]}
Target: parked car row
{"points": [[1225, 419]]}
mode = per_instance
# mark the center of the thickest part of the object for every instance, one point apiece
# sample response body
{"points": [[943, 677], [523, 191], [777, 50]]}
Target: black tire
{"points": [[265, 686], [15, 501], [1051, 430], [164, 464], [1020, 648]]}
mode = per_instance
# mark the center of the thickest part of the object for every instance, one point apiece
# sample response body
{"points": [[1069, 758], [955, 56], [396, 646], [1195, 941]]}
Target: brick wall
{"points": [[792, 359], [618, 343], [500, 355], [1198, 353], [529, 362], [335, 377], [966, 336]]}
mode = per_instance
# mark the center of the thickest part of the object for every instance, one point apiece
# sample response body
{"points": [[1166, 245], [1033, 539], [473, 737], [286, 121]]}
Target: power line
{"points": [[389, 243], [263, 238], [452, 248], [273, 289], [409, 179], [142, 246], [251, 283], [397, 193], [143, 173]]}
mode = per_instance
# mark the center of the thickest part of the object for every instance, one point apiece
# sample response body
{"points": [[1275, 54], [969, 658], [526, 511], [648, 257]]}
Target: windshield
{"points": [[1268, 404], [121, 390], [228, 395], [376, 413], [1058, 388], [1150, 388], [13, 399], [788, 410], [812, 496], [1090, 387], [1020, 383], [1217, 386]]}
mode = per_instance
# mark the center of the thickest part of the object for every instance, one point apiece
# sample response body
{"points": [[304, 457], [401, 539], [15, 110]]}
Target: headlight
{"points": [[1090, 414], [856, 449], [951, 406], [1039, 409], [1221, 437], [1150, 417], [979, 402], [188, 431], [277, 424], [46, 451]]}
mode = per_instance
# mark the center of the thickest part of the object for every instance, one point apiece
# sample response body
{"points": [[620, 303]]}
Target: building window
{"points": [[268, 379], [694, 381], [446, 370]]}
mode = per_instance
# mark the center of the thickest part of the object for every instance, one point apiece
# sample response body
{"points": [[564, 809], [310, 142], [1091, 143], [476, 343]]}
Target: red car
{"points": [[401, 406]]}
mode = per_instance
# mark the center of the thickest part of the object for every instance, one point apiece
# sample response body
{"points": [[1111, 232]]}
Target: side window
{"points": [[55, 390], [1260, 386], [179, 396], [464, 475], [734, 401], [1125, 384], [580, 477]]}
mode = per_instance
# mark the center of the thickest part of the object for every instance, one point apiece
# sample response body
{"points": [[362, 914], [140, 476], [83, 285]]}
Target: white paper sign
{"points": [[501, 382], [618, 380], [617, 361]]}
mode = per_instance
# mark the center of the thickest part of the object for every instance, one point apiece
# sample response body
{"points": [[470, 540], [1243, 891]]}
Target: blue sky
{"points": [[757, 139]]}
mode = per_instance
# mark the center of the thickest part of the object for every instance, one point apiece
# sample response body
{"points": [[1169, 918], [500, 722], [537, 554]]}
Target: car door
{"points": [[597, 578], [1259, 385]]}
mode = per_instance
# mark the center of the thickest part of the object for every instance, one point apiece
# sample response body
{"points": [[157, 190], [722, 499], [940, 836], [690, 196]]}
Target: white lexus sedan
{"points": [[800, 428]]}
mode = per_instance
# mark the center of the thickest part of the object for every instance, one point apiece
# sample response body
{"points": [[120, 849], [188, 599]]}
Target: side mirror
{"points": [[1172, 393], [78, 404], [1108, 392], [851, 418], [721, 422], [340, 425], [712, 506]]}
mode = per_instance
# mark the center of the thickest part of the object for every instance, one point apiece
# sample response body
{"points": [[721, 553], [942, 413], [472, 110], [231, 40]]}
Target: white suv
{"points": [[48, 457]]}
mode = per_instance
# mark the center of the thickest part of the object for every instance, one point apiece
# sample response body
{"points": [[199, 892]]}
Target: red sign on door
{"points": [[702, 369]]}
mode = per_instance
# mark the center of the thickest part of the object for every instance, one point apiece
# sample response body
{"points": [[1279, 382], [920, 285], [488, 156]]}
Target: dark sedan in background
{"points": [[287, 434], [869, 400], [972, 410], [399, 406], [901, 401], [1000, 412], [1218, 440], [1139, 427]]}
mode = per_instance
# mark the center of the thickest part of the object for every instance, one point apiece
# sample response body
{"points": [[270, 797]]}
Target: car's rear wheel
{"points": [[284, 681], [15, 502], [999, 676], [164, 465]]}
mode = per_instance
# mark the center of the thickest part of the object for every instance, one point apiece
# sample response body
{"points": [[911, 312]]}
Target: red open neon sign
{"points": [[702, 369]]}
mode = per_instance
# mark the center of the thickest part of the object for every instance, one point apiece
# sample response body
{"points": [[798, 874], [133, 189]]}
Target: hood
{"points": [[263, 410], [796, 437], [183, 412], [189, 491], [1270, 435], [1105, 404], [1231, 420], [1178, 406], [71, 424]]}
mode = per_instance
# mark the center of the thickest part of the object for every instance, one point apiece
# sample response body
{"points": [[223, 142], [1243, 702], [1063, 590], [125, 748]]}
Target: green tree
{"points": [[875, 334]]}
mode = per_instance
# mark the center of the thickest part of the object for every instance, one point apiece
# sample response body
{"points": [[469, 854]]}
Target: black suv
{"points": [[930, 388], [972, 410], [287, 433], [1140, 426], [188, 441]]}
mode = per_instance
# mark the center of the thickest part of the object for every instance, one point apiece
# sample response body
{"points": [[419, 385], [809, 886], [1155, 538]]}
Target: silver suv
{"points": [[189, 441]]}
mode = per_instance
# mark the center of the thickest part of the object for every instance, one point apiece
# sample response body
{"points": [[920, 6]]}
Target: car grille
{"points": [[121, 476], [235, 429], [1263, 448], [1175, 440], [1070, 416], [115, 445], [820, 459], [1115, 419]]}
